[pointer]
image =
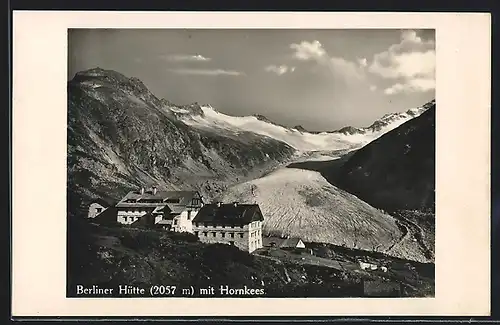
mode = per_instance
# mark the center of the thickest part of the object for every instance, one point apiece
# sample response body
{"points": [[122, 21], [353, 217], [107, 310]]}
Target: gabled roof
{"points": [[102, 202], [146, 220], [162, 209], [161, 198], [175, 209], [231, 214], [291, 242]]}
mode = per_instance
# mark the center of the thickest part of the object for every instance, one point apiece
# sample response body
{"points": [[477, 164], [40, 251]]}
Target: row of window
{"points": [[254, 224], [131, 219], [255, 244], [132, 211], [209, 225], [255, 233], [222, 234]]}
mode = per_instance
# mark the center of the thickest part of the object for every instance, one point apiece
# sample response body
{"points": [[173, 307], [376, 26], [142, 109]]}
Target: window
{"points": [[214, 234], [223, 234], [196, 233], [98, 210], [177, 200], [205, 233], [175, 221], [231, 242], [241, 235], [232, 235]]}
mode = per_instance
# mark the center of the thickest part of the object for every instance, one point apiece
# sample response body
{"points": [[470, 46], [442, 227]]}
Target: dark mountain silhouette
{"points": [[397, 170]]}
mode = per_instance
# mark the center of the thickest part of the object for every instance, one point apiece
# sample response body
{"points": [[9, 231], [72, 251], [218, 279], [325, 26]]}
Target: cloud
{"points": [[314, 51], [347, 68], [363, 62], [412, 62], [207, 72], [411, 86], [185, 57], [308, 50], [279, 70]]}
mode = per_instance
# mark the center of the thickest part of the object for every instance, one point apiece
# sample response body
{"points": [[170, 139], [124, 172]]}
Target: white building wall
{"points": [[255, 236], [184, 221], [129, 217], [95, 209], [301, 244]]}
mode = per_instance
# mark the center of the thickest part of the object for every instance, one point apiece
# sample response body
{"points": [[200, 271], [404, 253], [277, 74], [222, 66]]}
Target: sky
{"points": [[320, 79]]}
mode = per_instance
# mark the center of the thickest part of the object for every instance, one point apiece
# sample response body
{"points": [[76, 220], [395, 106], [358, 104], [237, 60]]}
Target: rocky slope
{"points": [[120, 136], [387, 122], [382, 125], [397, 170], [109, 256]]}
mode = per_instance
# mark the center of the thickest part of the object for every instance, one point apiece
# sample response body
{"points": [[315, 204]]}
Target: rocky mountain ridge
{"points": [[121, 136]]}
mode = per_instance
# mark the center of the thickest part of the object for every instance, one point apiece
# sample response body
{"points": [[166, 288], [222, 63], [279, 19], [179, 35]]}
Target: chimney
{"points": [[154, 190], [142, 190]]}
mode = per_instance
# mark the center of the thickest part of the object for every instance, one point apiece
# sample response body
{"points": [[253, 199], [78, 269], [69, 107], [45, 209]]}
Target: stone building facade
{"points": [[232, 224], [169, 210]]}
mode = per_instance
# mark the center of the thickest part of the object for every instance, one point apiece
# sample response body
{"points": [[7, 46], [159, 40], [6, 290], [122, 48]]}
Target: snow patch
{"points": [[301, 141], [179, 110]]}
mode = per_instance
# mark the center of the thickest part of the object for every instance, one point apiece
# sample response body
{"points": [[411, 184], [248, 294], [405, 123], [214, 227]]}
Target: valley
{"points": [[302, 203], [354, 192]]}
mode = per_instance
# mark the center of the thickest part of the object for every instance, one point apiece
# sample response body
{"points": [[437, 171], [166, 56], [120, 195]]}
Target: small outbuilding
{"points": [[293, 243], [96, 207]]}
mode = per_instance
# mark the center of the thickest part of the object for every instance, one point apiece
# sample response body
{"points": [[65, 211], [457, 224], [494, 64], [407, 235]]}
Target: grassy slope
{"points": [[108, 256]]}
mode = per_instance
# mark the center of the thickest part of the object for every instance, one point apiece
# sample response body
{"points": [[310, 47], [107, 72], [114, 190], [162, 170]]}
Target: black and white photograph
{"points": [[251, 163]]}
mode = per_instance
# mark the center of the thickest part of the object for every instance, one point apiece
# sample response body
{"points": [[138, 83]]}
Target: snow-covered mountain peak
{"points": [[298, 137]]}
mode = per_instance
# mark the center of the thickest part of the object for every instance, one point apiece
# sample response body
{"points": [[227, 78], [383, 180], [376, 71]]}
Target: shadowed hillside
{"points": [[397, 170], [110, 256]]}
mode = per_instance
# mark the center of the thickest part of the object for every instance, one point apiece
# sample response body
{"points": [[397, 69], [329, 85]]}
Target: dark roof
{"points": [[146, 220], [290, 242], [239, 214], [102, 202], [162, 197], [108, 216]]}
